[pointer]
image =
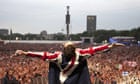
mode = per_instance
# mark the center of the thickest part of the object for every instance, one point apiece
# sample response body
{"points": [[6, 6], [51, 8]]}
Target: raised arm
{"points": [[43, 55], [100, 48], [90, 51]]}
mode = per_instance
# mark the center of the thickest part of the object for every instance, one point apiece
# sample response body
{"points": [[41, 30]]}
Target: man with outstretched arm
{"points": [[68, 66]]}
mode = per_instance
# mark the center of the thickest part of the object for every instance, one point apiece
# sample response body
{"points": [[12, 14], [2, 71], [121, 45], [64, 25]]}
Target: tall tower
{"points": [[67, 23], [91, 23]]}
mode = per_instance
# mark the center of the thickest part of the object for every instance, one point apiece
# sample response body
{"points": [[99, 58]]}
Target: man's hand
{"points": [[20, 52], [115, 45]]}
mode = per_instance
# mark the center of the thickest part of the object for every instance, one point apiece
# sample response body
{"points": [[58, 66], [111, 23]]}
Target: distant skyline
{"points": [[34, 16]]}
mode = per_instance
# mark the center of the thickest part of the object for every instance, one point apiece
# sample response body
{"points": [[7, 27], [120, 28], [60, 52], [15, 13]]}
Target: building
{"points": [[50, 37], [91, 23], [43, 35], [89, 40], [127, 40], [4, 32]]}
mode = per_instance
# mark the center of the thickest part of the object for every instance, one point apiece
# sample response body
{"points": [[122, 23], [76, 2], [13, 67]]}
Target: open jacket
{"points": [[74, 71]]}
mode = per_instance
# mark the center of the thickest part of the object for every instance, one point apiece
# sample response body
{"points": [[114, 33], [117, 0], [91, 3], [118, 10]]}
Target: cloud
{"points": [[37, 15]]}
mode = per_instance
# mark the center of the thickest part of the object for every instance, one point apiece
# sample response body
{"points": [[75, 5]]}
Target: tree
{"points": [[59, 36]]}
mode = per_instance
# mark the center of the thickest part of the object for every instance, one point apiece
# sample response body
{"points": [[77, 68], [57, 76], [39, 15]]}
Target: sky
{"points": [[34, 16]]}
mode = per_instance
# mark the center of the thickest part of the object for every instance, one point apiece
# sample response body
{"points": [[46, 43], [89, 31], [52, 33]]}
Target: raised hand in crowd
{"points": [[115, 45], [20, 52]]}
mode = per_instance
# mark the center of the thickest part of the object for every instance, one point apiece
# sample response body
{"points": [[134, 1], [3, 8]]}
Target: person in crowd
{"points": [[68, 66], [9, 78]]}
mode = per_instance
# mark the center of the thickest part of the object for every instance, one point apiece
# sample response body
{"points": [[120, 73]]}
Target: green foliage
{"points": [[31, 37], [75, 37], [59, 37], [136, 33], [99, 35], [4, 37]]}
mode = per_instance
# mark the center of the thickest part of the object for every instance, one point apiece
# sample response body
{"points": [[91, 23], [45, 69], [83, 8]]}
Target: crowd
{"points": [[119, 65]]}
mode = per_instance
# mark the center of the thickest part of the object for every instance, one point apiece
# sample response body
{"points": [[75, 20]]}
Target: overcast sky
{"points": [[33, 16]]}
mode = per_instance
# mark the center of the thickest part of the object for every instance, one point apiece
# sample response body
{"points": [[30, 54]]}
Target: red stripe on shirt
{"points": [[71, 65], [44, 56], [87, 51], [101, 48], [52, 56]]}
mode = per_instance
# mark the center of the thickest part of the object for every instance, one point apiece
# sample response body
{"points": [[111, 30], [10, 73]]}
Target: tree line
{"points": [[99, 35]]}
